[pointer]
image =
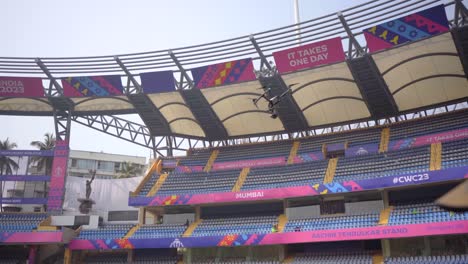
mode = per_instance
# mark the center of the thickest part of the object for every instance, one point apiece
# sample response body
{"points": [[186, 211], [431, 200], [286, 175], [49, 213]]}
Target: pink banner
{"points": [[239, 164], [375, 232], [253, 195], [31, 237], [57, 181], [441, 137], [311, 55], [21, 87]]}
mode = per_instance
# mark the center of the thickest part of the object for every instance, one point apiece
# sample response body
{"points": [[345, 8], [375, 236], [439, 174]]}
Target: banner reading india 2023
{"points": [[21, 87], [310, 55]]}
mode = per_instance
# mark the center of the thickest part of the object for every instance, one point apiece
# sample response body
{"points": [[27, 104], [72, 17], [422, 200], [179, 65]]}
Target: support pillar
{"points": [[67, 256], [141, 216], [32, 254], [386, 251]]}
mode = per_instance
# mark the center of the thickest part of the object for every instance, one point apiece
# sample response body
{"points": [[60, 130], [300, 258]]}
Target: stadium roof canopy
{"points": [[416, 75]]}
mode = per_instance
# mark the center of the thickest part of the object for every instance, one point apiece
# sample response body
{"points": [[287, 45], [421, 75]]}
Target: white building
{"points": [[107, 166]]}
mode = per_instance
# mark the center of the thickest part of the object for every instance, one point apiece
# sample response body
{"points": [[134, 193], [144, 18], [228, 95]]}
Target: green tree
{"points": [[129, 169], [44, 163], [7, 165]]}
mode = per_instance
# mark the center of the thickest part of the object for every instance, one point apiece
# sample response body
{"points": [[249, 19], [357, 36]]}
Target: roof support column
{"points": [[353, 43], [183, 73]]}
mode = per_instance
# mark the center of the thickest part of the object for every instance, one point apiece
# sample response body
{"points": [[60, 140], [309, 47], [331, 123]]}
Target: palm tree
{"points": [[44, 163], [129, 169], [7, 165]]}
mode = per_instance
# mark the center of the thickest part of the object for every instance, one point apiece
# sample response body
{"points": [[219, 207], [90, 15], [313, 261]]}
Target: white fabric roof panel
{"points": [[431, 73], [237, 111], [90, 104], [180, 118], [24, 104], [327, 95]]}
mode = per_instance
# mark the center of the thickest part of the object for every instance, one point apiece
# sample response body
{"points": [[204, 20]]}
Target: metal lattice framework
{"points": [[347, 24]]}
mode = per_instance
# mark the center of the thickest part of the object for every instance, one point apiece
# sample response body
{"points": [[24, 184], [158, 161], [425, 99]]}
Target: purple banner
{"points": [[412, 27], [362, 150], [31, 237], [308, 190], [21, 87], [45, 153], [23, 200], [24, 178], [92, 86], [223, 73], [428, 139], [158, 82], [308, 157], [363, 233], [188, 169], [59, 171], [335, 147], [169, 163], [239, 164]]}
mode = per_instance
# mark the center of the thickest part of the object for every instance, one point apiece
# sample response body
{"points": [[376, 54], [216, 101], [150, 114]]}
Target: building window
{"points": [[73, 163], [106, 166]]}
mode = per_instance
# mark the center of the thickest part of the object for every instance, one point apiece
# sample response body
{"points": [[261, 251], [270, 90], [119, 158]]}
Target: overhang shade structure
{"points": [[354, 86]]}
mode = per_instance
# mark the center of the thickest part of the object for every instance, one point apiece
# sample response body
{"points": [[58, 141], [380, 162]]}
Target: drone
{"points": [[272, 101]]}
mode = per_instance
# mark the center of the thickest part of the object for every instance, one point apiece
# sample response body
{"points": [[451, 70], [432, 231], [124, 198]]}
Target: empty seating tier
{"points": [[199, 182], [416, 213], [255, 151], [20, 222], [106, 232], [159, 231], [429, 125], [285, 176], [334, 258], [235, 225], [332, 222], [454, 154], [147, 187], [453, 259], [412, 160]]}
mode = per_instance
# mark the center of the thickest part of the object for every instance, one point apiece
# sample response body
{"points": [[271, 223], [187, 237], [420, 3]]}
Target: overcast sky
{"points": [[56, 28]]}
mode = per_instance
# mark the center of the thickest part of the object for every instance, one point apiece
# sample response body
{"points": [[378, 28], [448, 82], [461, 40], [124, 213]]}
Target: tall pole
{"points": [[297, 20]]}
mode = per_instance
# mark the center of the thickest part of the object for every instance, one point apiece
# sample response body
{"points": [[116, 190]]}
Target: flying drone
{"points": [[273, 101]]}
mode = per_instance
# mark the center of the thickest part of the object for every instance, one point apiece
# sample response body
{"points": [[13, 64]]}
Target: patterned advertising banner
{"points": [[158, 82], [428, 139], [92, 86], [57, 181], [31, 237], [21, 87], [24, 178], [362, 150], [307, 190], [311, 55], [239, 164], [223, 73], [362, 233], [416, 26]]}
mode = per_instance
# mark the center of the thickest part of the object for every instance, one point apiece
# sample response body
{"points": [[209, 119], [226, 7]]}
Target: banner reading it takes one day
{"points": [[223, 73], [311, 55], [416, 26], [21, 87], [92, 86]]}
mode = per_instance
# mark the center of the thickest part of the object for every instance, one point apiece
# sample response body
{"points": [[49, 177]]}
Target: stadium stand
{"points": [[147, 186], [334, 258], [106, 231], [332, 222], [454, 154], [429, 125], [20, 222], [255, 151], [285, 176], [107, 259], [422, 212], [235, 225], [199, 182], [411, 160], [452, 259], [159, 231]]}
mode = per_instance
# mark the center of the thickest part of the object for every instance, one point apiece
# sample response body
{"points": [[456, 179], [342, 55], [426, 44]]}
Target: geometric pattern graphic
{"points": [[223, 73], [416, 26], [92, 86]]}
